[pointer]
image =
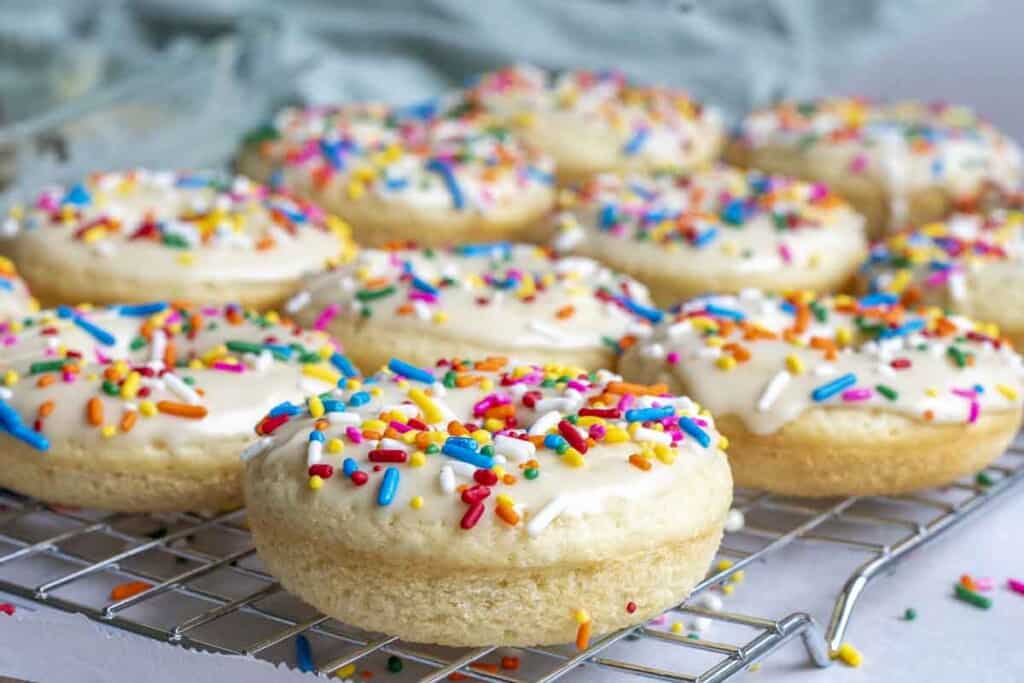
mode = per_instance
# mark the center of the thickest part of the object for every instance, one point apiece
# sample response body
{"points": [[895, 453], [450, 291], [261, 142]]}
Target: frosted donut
{"points": [[899, 164], [146, 407], [842, 396], [972, 265], [490, 503], [143, 235], [594, 122], [15, 299], [720, 230], [474, 300], [405, 175]]}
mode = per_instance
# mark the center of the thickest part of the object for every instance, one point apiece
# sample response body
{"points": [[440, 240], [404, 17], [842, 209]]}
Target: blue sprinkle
{"points": [[143, 309], [540, 175], [77, 195], [343, 364], [553, 441], [909, 327], [445, 171], [332, 152], [348, 466], [692, 429], [878, 299], [652, 314], [649, 414], [608, 216], [396, 184], [503, 249], [316, 435], [6, 285], [284, 408], [400, 367], [388, 486], [192, 181], [788, 307], [827, 391], [465, 455], [705, 237], [9, 416], [333, 405], [100, 334], [636, 143], [280, 349], [30, 436], [276, 180], [423, 285], [725, 312], [464, 442], [424, 110], [303, 654], [359, 398], [734, 212], [65, 312]]}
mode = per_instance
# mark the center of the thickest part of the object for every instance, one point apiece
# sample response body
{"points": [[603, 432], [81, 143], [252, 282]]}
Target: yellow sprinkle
{"points": [[108, 431], [726, 363], [723, 565], [794, 364], [931, 391], [616, 435], [664, 453], [325, 351], [272, 317], [375, 425], [572, 458], [737, 576], [498, 470], [677, 627], [315, 482], [486, 384], [321, 373], [409, 437], [723, 442], [353, 384], [10, 378], [355, 190], [195, 364], [844, 336], [481, 436], [714, 342], [417, 459], [431, 413], [582, 616], [316, 406], [1008, 392], [728, 589], [440, 317], [335, 445], [130, 386], [849, 655], [147, 408], [345, 671], [416, 503], [493, 424], [186, 259], [503, 499]]}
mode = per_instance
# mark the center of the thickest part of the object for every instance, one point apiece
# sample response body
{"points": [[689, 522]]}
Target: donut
{"points": [[489, 502], [145, 407], [135, 236], [472, 300], [970, 264], [720, 230], [594, 122], [436, 177], [900, 164], [839, 396], [15, 299]]}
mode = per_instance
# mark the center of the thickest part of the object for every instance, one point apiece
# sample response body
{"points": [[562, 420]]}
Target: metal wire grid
{"points": [[209, 591]]}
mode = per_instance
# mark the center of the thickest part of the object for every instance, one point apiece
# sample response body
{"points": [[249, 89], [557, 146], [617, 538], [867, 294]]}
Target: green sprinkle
{"points": [[46, 366], [449, 379], [110, 388], [432, 448], [910, 614], [820, 314], [984, 479], [487, 450], [394, 664], [886, 391], [261, 134], [175, 241], [189, 380], [137, 343], [244, 347], [365, 312], [693, 636], [958, 356], [548, 383], [531, 473], [373, 294], [970, 597]]}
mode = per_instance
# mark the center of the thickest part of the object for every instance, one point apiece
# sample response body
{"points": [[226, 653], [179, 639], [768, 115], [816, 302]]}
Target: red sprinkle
{"points": [[472, 516], [7, 608], [322, 470], [630, 606], [569, 433], [388, 455], [270, 424], [611, 413], [359, 477], [900, 363], [485, 477], [475, 494]]}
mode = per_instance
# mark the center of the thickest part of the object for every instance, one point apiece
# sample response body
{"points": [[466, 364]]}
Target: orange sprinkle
{"points": [[738, 351], [508, 514], [510, 663], [501, 412], [112, 374], [725, 327], [637, 389], [967, 582], [423, 440], [181, 409], [462, 381], [583, 636], [753, 332], [491, 364], [565, 312], [929, 415], [94, 411], [265, 243], [170, 354], [508, 479], [484, 666], [46, 380], [371, 434], [640, 462], [827, 345], [404, 309], [45, 409], [455, 428], [456, 676], [944, 327], [127, 590], [234, 316], [128, 420], [321, 425], [627, 342]]}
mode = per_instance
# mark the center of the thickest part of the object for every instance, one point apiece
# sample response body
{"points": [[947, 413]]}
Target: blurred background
{"points": [[88, 84]]}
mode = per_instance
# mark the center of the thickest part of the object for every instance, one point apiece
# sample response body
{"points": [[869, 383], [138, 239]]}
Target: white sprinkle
{"points": [[157, 348], [394, 443], [463, 469], [314, 451], [679, 329], [772, 391], [734, 521], [6, 393], [567, 239], [256, 448], [517, 449], [298, 301], [9, 228], [180, 389], [957, 286], [824, 370], [710, 601], [545, 422], [646, 434], [447, 479], [263, 361], [702, 624], [421, 310], [543, 519], [344, 419]]}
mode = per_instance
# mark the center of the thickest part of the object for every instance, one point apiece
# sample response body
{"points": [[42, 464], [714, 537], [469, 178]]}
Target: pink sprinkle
{"points": [[399, 427], [417, 295], [785, 253], [965, 393], [1016, 586], [626, 402], [326, 316], [672, 357], [10, 341], [818, 191], [939, 277], [354, 435], [859, 163], [984, 583], [485, 404], [228, 367], [861, 394], [578, 386], [972, 416], [68, 376], [658, 621], [597, 432]]}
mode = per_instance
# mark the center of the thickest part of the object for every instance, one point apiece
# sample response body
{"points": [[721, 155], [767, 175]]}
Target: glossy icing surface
{"points": [[767, 359]]}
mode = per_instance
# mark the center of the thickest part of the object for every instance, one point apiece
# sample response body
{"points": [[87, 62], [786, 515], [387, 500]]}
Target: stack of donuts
{"points": [[485, 370]]}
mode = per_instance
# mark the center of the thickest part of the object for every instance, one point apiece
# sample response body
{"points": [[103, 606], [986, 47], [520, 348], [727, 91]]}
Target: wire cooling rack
{"points": [[208, 590]]}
